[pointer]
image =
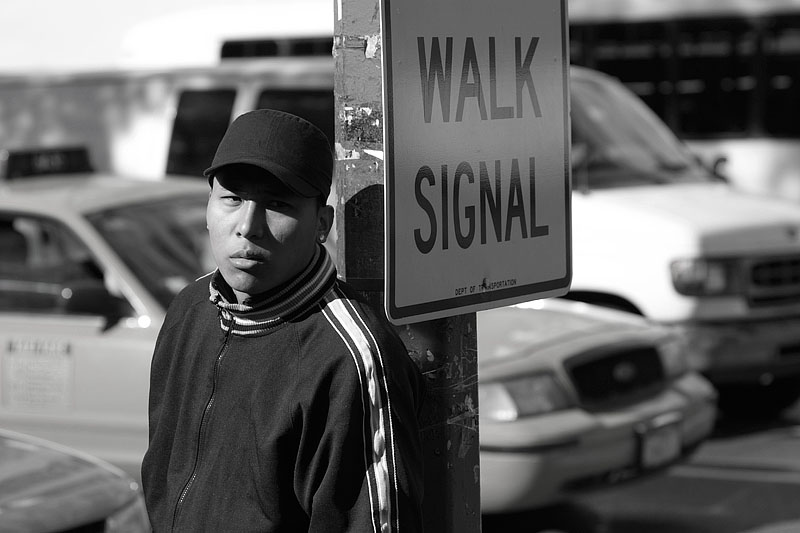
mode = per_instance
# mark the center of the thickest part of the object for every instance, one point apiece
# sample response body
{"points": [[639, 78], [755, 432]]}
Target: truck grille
{"points": [[774, 281], [619, 377]]}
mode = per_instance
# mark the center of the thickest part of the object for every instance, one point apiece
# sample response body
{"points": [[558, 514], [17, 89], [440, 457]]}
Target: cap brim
{"points": [[297, 183]]}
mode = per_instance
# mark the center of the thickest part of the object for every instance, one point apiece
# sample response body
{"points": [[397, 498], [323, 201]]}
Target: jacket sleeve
{"points": [[359, 464]]}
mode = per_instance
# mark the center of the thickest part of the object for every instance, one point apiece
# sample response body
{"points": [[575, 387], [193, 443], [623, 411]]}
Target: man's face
{"points": [[262, 233]]}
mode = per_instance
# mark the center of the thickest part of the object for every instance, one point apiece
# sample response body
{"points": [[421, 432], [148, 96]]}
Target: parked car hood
{"points": [[44, 487], [553, 328]]}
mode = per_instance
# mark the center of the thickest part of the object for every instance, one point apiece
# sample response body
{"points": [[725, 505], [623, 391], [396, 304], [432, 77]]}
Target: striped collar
{"points": [[277, 306]]}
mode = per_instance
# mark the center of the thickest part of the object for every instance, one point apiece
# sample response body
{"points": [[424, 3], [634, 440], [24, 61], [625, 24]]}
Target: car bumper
{"points": [[591, 449], [740, 352]]}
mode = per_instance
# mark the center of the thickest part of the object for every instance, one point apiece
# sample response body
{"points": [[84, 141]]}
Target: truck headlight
{"points": [[511, 399], [705, 277]]}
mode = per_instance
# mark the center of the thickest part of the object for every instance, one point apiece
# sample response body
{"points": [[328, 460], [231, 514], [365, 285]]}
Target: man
{"points": [[278, 400]]}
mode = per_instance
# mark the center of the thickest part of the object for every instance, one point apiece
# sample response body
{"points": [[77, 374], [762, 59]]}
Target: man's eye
{"points": [[277, 204], [232, 200]]}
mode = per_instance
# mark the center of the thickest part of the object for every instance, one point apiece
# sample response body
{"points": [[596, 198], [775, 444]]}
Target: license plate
{"points": [[660, 446]]}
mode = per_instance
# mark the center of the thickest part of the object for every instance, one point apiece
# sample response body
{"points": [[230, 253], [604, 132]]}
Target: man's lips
{"points": [[247, 258]]}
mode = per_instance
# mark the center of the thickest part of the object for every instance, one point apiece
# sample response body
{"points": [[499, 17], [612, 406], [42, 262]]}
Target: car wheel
{"points": [[758, 401], [566, 517]]}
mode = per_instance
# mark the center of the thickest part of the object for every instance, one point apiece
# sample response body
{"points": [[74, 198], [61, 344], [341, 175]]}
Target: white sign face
{"points": [[476, 122]]}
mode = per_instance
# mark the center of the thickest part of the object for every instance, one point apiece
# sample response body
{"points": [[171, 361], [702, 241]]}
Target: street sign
{"points": [[476, 128]]}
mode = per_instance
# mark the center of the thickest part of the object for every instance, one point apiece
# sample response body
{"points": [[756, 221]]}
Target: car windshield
{"points": [[618, 142], [164, 243]]}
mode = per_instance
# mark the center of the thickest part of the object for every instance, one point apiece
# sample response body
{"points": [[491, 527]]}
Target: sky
{"points": [[100, 34], [75, 35]]}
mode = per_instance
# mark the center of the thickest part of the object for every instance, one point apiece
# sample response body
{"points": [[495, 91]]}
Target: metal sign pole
{"points": [[445, 349]]}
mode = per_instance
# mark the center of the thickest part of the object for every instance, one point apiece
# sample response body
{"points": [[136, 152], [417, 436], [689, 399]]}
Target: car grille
{"points": [[621, 377], [774, 281]]}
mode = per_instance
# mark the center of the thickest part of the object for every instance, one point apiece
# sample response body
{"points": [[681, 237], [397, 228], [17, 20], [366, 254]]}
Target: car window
{"points": [[164, 243], [200, 122], [42, 264], [782, 92], [316, 106], [618, 142]]}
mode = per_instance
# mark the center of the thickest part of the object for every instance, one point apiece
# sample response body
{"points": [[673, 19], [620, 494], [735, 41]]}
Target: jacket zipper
{"points": [[206, 411]]}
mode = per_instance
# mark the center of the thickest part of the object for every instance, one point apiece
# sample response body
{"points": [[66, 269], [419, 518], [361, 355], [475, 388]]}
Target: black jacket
{"points": [[296, 414]]}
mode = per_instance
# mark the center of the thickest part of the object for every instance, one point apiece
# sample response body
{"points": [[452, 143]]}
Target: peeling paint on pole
{"points": [[363, 125], [444, 349]]}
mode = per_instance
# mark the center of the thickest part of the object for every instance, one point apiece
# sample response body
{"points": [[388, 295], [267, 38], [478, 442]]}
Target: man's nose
{"points": [[252, 220]]}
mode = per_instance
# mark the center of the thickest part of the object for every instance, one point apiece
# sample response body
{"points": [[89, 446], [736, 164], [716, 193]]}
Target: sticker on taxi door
{"points": [[37, 374]]}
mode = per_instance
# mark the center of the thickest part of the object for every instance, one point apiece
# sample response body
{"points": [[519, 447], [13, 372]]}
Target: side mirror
{"points": [[91, 297], [717, 168]]}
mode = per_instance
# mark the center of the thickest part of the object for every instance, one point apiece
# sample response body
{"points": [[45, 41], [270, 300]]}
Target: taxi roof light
{"points": [[15, 164]]}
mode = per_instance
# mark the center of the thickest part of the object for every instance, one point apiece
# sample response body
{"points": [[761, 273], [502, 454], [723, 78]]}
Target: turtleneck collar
{"points": [[266, 312]]}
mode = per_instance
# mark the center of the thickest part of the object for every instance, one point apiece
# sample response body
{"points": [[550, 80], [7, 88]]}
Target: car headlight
{"points": [[130, 519], [705, 277], [530, 395], [674, 355]]}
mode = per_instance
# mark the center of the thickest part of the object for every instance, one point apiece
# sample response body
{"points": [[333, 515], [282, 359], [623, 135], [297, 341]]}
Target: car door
{"points": [[74, 360]]}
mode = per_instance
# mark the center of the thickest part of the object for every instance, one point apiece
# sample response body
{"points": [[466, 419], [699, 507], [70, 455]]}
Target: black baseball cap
{"points": [[292, 149]]}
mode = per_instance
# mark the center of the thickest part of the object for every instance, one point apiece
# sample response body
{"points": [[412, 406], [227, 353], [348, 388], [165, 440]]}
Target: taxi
{"points": [[573, 396], [88, 265]]}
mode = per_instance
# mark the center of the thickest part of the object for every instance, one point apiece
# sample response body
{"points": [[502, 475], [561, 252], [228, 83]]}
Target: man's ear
{"points": [[325, 221]]}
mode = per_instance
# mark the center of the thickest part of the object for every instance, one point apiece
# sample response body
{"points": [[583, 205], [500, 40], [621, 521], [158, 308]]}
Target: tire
{"points": [[758, 401]]}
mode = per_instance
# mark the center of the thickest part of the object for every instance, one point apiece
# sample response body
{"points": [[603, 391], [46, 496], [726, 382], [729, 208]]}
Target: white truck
{"points": [[656, 233]]}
